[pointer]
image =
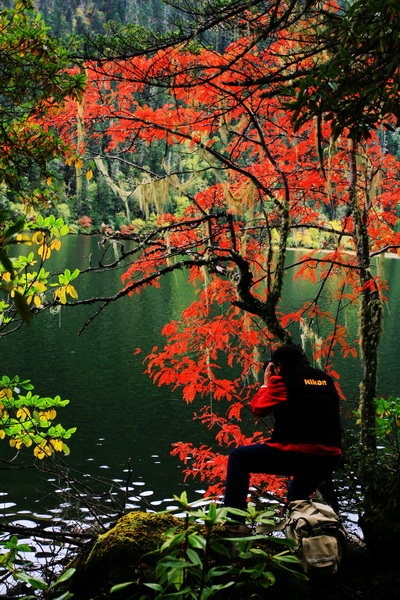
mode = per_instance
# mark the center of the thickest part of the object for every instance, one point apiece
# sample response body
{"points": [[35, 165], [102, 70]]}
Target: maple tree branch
{"points": [[266, 310], [126, 162], [338, 308], [198, 262], [322, 260], [329, 229], [385, 249], [153, 174], [148, 239]]}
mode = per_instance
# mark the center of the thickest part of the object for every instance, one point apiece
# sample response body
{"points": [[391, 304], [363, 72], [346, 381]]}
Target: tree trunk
{"points": [[380, 487]]}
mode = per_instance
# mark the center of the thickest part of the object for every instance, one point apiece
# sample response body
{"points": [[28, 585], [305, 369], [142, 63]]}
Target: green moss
{"points": [[120, 555]]}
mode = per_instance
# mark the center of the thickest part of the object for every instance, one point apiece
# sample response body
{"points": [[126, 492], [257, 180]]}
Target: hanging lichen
{"points": [[118, 190], [152, 193], [309, 336]]}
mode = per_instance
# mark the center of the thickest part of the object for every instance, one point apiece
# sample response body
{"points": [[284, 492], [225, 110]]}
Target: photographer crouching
{"points": [[306, 440]]}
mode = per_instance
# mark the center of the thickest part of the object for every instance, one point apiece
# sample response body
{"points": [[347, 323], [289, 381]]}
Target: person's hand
{"points": [[269, 371]]}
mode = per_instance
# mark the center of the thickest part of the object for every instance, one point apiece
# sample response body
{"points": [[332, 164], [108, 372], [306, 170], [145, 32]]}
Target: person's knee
{"points": [[235, 454], [238, 458]]}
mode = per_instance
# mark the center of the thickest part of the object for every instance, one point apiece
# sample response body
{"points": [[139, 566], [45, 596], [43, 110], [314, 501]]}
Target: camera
{"points": [[266, 363]]}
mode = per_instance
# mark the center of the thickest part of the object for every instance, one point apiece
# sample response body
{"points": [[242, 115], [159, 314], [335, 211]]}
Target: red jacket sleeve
{"points": [[269, 397]]}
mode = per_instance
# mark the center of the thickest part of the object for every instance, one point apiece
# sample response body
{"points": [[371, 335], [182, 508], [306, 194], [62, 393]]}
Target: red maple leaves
{"points": [[248, 180]]}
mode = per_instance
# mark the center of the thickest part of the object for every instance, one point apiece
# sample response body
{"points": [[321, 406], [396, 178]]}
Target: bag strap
{"points": [[330, 518], [266, 528]]}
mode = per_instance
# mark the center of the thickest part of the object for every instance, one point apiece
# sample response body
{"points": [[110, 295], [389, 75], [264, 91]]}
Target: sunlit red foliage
{"points": [[258, 183]]}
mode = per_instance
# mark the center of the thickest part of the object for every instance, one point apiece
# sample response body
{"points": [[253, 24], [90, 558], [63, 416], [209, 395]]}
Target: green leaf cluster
{"points": [[26, 420], [23, 278]]}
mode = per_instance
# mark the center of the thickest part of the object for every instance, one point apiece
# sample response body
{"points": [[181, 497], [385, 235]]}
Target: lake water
{"points": [[125, 423]]}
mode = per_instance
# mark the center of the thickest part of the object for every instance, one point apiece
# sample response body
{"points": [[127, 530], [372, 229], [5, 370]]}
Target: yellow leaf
{"points": [[49, 180], [38, 452], [2, 434], [89, 174], [24, 238], [6, 393], [48, 414], [44, 251], [60, 294], [57, 445], [55, 244], [78, 164], [38, 237], [3, 413], [19, 290], [36, 301], [72, 291], [16, 443], [23, 414]]}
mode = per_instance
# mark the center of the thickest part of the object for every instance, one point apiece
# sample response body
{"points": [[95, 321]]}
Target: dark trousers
{"points": [[308, 471]]}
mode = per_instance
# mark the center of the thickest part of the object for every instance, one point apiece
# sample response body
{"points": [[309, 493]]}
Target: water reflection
{"points": [[126, 424]]}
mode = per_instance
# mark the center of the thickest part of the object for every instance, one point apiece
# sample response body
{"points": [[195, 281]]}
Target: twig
{"points": [[75, 539]]}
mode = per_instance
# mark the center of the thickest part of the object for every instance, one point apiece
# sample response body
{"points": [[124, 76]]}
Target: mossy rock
{"points": [[120, 555]]}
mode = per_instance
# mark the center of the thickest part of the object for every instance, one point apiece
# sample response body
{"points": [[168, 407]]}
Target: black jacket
{"points": [[310, 414]]}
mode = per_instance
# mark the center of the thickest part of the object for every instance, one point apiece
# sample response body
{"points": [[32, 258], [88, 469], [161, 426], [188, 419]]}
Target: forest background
{"points": [[213, 152], [105, 197]]}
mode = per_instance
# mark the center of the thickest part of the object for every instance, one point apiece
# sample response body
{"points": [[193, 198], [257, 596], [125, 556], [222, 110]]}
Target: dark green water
{"points": [[121, 416]]}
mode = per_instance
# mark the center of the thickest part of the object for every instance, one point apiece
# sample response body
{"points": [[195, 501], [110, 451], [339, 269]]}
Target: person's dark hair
{"points": [[289, 356]]}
